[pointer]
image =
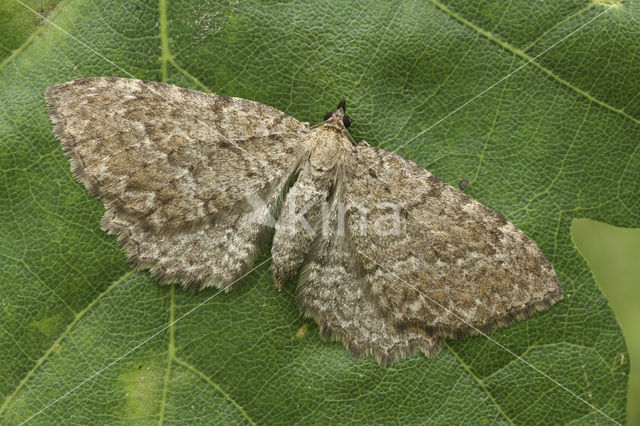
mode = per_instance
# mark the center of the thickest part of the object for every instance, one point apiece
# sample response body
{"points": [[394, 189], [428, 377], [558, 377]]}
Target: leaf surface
{"points": [[556, 140]]}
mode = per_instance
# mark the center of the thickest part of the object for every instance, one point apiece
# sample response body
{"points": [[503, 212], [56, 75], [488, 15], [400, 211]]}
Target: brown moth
{"points": [[388, 258]]}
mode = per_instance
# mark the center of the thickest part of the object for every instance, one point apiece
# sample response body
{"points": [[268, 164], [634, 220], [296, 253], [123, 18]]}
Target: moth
{"points": [[388, 258]]}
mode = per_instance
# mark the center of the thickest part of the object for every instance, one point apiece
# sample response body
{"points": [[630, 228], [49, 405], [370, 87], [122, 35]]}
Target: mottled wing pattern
{"points": [[175, 168], [453, 266], [330, 290]]}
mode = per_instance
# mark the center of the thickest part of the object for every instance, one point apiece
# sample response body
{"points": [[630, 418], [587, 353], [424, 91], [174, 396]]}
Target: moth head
{"points": [[340, 114]]}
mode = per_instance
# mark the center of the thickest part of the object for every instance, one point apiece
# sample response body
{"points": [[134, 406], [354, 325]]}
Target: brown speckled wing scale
{"points": [[331, 291], [454, 267], [175, 169], [390, 259]]}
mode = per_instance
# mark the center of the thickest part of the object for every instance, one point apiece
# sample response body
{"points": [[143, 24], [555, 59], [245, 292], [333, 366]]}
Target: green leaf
{"points": [[556, 140]]}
